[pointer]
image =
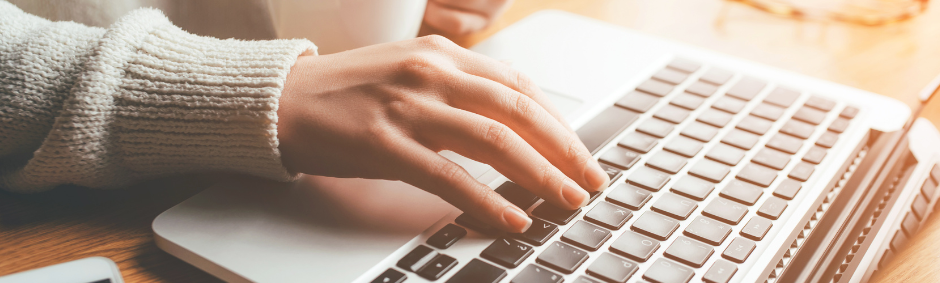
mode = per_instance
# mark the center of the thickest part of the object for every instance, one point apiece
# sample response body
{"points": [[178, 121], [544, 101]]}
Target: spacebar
{"points": [[605, 126]]}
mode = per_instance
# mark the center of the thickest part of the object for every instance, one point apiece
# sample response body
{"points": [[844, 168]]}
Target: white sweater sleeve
{"points": [[105, 107]]}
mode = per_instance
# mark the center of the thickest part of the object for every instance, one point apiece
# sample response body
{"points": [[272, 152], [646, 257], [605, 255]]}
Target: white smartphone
{"points": [[87, 270]]}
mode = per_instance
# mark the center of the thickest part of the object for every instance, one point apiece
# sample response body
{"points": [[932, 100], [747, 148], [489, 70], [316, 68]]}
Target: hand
{"points": [[463, 16], [384, 111]]}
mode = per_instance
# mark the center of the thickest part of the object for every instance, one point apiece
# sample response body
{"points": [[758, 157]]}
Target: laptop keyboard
{"points": [[691, 152]]}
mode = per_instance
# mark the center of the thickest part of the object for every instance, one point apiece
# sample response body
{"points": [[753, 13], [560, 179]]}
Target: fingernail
{"points": [[596, 177], [515, 218], [574, 194]]}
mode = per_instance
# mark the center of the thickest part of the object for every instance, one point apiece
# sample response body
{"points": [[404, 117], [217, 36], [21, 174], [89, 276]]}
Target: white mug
{"points": [[340, 25]]}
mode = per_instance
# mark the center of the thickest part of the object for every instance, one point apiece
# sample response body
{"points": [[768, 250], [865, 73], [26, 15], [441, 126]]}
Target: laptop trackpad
{"points": [[321, 229]]}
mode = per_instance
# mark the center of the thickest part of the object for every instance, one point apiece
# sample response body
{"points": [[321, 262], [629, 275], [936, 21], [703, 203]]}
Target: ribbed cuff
{"points": [[155, 100]]}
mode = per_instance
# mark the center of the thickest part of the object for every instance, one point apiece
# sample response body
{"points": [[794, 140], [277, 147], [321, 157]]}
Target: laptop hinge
{"points": [[838, 229]]}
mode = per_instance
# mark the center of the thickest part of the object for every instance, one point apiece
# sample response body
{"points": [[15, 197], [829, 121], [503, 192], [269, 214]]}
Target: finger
{"points": [[490, 142], [482, 66], [454, 21], [488, 8], [534, 124], [432, 172]]}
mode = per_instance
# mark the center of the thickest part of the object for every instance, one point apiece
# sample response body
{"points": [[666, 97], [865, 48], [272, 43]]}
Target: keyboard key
{"points": [[608, 215], [612, 268], [585, 279], [620, 157], [720, 272], [605, 126], [672, 114], [839, 125], [767, 111], [633, 245], [668, 162], [783, 97], [740, 139], [667, 271], [787, 189], [538, 233], [849, 112], [684, 146], [754, 125], [466, 220], [555, 214], [815, 155], [535, 274], [708, 230], [910, 225], [562, 257], [747, 88], [725, 210], [935, 173], [729, 104], [655, 87], [517, 195], [772, 208], [639, 142], [684, 65], [699, 131], [447, 236], [714, 117], [629, 196], [417, 258], [612, 172], [655, 127], [725, 154], [785, 143], [710, 170], [809, 115], [739, 250], [742, 192], [802, 171], [689, 251], [637, 101], [390, 276], [586, 235], [929, 187], [898, 242], [437, 267], [756, 228], [797, 129], [687, 101], [670, 76], [757, 174], [701, 89], [827, 139], [716, 76], [820, 103], [648, 178], [507, 252], [478, 271], [771, 158], [693, 187], [674, 205], [655, 225], [919, 207]]}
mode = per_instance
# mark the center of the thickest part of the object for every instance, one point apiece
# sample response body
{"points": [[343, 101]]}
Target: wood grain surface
{"points": [[897, 60]]}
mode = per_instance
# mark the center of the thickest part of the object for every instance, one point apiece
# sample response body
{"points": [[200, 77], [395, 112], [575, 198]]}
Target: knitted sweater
{"points": [[105, 107]]}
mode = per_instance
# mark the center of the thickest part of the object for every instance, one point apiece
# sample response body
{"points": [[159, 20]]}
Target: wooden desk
{"points": [[897, 60]]}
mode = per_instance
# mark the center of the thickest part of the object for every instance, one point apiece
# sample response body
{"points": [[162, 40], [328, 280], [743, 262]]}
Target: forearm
{"points": [[142, 98]]}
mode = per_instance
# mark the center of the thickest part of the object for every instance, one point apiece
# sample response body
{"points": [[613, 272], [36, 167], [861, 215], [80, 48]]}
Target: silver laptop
{"points": [[723, 170]]}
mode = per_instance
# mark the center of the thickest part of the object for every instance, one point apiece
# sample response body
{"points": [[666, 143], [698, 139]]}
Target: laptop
{"points": [[723, 170]]}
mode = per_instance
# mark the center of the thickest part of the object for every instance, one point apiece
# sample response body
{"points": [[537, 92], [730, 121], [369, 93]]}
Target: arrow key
{"points": [[437, 267], [390, 276], [447, 236]]}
